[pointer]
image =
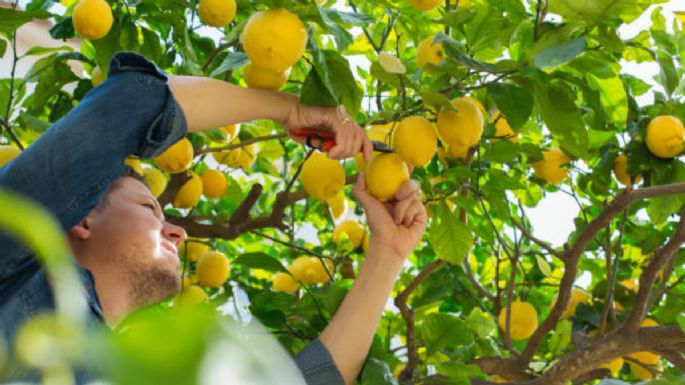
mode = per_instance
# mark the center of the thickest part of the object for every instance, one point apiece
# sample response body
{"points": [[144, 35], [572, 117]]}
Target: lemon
{"points": [[156, 181], [614, 366], [176, 158], [577, 296], [504, 130], [463, 127], [337, 205], [384, 176], [217, 13], [391, 63], [378, 133], [258, 77], [321, 177], [212, 269], [452, 152], [134, 164], [642, 373], [398, 369], [310, 270], [415, 140], [97, 76], [284, 282], [8, 153], [192, 295], [524, 320], [647, 358], [189, 194], [475, 101], [354, 231], [621, 171], [214, 184], [429, 53], [247, 156], [92, 19], [230, 157], [192, 249], [231, 131], [665, 136], [549, 168], [425, 5], [274, 39]]}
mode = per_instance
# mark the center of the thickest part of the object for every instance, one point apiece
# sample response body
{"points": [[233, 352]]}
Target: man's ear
{"points": [[82, 230]]}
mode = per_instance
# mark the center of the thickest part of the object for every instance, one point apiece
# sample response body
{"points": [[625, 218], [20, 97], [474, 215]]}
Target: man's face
{"points": [[129, 237]]}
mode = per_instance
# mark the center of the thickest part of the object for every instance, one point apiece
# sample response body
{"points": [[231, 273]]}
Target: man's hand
{"points": [[396, 225], [350, 138]]}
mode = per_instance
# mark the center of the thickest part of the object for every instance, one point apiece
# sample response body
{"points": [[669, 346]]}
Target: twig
{"points": [[12, 134], [288, 244], [217, 51], [242, 144]]}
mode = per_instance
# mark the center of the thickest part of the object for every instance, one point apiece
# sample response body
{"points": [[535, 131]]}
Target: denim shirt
{"points": [[69, 169]]}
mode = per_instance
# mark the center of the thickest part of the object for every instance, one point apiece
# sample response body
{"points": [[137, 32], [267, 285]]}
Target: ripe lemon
{"points": [[176, 158], [647, 358], [192, 295], [217, 13], [524, 320], [134, 164], [274, 39], [321, 177], [230, 157], [337, 205], [189, 194], [258, 77], [214, 184], [642, 373], [577, 296], [378, 133], [398, 369], [384, 176], [97, 76], [621, 171], [452, 152], [192, 249], [155, 180], [415, 140], [504, 130], [8, 153], [429, 53], [231, 131], [425, 5], [614, 366], [463, 127], [212, 269], [310, 270], [92, 19], [475, 101], [284, 282], [549, 168], [665, 136], [354, 231], [247, 156]]}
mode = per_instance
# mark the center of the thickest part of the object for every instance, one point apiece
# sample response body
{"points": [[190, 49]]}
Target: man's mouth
{"points": [[170, 247]]}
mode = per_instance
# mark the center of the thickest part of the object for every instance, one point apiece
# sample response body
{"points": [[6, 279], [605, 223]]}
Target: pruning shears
{"points": [[325, 140]]}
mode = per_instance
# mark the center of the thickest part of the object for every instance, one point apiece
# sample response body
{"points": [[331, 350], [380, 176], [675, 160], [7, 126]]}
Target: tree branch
{"points": [[217, 51], [242, 144]]}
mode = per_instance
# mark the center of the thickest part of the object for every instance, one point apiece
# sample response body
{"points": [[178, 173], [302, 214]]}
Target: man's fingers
{"points": [[367, 148], [407, 189], [413, 212], [400, 210]]}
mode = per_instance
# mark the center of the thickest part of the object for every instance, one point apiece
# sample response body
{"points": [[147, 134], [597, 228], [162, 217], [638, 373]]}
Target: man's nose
{"points": [[176, 234]]}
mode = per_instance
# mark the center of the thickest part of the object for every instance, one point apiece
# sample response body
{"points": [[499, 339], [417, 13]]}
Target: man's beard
{"points": [[149, 285]]}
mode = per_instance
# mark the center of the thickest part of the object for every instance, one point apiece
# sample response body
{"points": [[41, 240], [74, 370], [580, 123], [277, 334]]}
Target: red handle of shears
{"points": [[318, 139]]}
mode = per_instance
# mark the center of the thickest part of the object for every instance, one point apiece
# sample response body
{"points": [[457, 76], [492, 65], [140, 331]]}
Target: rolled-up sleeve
{"points": [[317, 366], [71, 166]]}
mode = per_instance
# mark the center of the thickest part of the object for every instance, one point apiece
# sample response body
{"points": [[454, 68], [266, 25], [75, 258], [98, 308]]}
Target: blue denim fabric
{"points": [[69, 169]]}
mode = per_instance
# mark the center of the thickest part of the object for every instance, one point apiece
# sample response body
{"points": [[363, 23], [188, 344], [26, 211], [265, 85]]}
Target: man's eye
{"points": [[151, 206]]}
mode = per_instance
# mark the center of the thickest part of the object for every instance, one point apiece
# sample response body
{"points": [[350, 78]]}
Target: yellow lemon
{"points": [[322, 178], [192, 295], [463, 127], [549, 168], [97, 76], [217, 13], [337, 205], [258, 77], [284, 282], [524, 320], [647, 358], [274, 39], [384, 176], [621, 171], [452, 152], [398, 369], [415, 140], [212, 269], [92, 19], [425, 5], [429, 53], [310, 270], [475, 101], [378, 133], [214, 184], [231, 131], [504, 130], [247, 156], [8, 153], [577, 296], [192, 249], [230, 157], [665, 136], [354, 231], [614, 366], [189, 194], [176, 158], [640, 372], [156, 181], [134, 164]]}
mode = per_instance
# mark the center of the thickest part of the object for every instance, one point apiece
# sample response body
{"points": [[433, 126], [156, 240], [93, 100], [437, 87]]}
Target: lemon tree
{"points": [[497, 108]]}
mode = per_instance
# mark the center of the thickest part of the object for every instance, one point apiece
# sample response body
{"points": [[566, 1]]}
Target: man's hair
{"points": [[128, 173]]}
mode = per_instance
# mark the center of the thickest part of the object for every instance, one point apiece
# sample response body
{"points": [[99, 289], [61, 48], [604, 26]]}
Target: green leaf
{"points": [[63, 30], [515, 103], [260, 261], [543, 265], [562, 117], [502, 151], [44, 50], [314, 92], [613, 97], [456, 52], [439, 331], [3, 47], [451, 239], [232, 61], [377, 372], [669, 76], [13, 19], [481, 322], [458, 372], [556, 52], [334, 82], [592, 12]]}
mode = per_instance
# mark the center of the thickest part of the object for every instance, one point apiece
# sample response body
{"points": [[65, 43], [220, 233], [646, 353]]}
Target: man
{"points": [[117, 231]]}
